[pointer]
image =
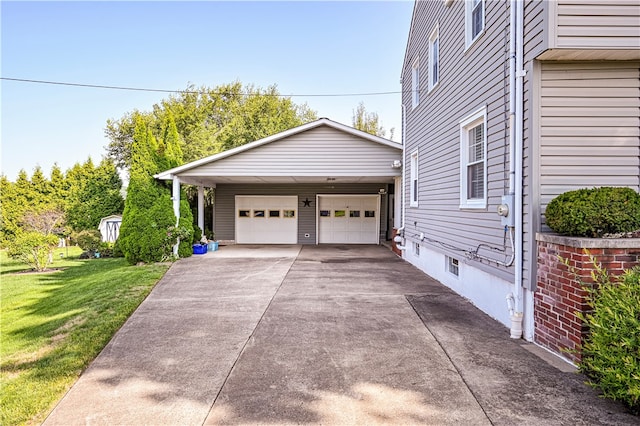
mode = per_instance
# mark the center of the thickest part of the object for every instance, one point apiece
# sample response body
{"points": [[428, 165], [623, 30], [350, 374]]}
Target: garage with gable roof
{"points": [[322, 182]]}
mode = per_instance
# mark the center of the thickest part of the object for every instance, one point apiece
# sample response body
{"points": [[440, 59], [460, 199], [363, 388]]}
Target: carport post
{"points": [[201, 207], [176, 205]]}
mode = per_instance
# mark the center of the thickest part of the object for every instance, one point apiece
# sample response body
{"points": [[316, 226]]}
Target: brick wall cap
{"points": [[589, 243]]}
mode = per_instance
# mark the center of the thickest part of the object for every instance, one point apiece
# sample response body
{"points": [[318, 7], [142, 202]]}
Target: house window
{"points": [[415, 83], [473, 160], [434, 58], [453, 266], [414, 180], [416, 249], [474, 20]]}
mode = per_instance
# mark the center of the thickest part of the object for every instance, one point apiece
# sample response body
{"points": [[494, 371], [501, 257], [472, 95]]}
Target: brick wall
{"points": [[394, 245], [559, 294]]}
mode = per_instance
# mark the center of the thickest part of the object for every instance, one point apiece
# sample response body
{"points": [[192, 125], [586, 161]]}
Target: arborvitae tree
{"points": [[148, 221], [15, 198], [40, 190], [171, 138], [59, 187], [97, 196], [186, 222]]}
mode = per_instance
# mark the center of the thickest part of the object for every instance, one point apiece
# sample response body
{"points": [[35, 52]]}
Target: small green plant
{"points": [[594, 212], [611, 351], [33, 248], [197, 234]]}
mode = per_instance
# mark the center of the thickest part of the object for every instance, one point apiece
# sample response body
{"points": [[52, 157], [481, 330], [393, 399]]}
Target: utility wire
{"points": [[193, 92]]}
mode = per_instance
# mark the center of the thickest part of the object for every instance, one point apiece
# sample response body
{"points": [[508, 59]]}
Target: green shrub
{"points": [[594, 212], [197, 234], [611, 351], [117, 250], [33, 248], [88, 240], [106, 249]]}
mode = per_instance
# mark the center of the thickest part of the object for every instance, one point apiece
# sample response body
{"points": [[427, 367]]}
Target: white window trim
{"points": [[414, 183], [468, 12], [415, 83], [434, 36], [477, 117], [449, 261]]}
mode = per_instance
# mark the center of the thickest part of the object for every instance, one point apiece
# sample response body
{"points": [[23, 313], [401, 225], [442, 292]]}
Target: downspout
{"points": [[516, 84], [399, 238]]}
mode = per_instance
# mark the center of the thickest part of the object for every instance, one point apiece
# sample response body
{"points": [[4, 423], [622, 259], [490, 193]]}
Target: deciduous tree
{"points": [[209, 120], [368, 122]]}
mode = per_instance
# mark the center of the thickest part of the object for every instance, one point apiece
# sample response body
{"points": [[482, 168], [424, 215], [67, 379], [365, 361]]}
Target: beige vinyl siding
{"points": [[468, 81], [322, 151], [589, 126], [536, 39], [607, 24], [224, 226]]}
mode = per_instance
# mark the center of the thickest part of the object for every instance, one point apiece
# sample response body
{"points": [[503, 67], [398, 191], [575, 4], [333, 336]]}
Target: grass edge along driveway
{"points": [[52, 325]]}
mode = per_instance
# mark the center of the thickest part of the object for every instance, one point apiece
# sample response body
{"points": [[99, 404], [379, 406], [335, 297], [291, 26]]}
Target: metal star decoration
{"points": [[307, 202]]}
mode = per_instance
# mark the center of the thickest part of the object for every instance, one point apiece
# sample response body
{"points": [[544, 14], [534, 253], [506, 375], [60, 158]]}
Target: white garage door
{"points": [[348, 219], [266, 219]]}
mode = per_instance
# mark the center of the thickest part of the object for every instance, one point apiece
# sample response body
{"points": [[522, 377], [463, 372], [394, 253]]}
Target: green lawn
{"points": [[52, 325]]}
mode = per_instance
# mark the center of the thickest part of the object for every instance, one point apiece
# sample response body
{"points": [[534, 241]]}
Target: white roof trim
{"points": [[169, 174]]}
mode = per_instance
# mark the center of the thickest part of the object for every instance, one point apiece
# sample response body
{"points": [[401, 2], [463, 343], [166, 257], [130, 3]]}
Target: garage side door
{"points": [[352, 219], [266, 219]]}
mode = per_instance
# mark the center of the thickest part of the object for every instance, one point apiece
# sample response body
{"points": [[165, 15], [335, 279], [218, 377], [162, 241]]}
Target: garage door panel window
{"points": [[289, 214], [369, 213], [244, 213], [274, 213], [258, 213], [354, 213], [325, 213], [339, 213]]}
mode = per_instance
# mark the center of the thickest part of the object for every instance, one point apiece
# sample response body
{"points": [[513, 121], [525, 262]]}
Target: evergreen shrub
{"points": [[594, 212], [197, 234], [611, 351]]}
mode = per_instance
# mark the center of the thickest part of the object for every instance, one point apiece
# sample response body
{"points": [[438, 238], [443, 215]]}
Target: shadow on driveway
{"points": [[324, 335]]}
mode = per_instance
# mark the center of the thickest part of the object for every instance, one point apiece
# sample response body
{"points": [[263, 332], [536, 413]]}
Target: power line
{"points": [[192, 92]]}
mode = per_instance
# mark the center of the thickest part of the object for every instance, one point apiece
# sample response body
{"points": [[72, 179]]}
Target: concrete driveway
{"points": [[332, 335]]}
